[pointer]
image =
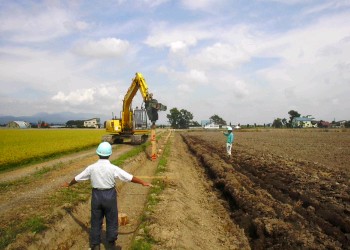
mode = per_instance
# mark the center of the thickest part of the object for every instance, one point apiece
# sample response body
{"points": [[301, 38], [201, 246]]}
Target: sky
{"points": [[248, 61]]}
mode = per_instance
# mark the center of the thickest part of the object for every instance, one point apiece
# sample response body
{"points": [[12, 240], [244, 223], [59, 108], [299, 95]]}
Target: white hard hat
{"points": [[229, 128], [104, 149]]}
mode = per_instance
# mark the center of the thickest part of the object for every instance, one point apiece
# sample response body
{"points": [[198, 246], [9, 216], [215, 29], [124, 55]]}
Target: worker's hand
{"points": [[66, 184], [147, 184]]}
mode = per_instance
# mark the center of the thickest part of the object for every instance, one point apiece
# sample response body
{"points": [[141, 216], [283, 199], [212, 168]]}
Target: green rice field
{"points": [[19, 147]]}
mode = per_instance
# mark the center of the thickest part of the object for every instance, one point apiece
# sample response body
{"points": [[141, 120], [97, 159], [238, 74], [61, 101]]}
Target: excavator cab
{"points": [[140, 119]]}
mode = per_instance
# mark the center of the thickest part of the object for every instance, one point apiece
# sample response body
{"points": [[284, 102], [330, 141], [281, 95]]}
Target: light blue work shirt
{"points": [[230, 137]]}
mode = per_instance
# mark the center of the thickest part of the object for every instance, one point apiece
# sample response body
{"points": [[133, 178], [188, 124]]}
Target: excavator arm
{"points": [[133, 123], [151, 105]]}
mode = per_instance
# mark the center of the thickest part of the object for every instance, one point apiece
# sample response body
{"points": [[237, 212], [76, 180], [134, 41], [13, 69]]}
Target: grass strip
{"points": [[144, 240], [133, 152], [34, 224], [7, 185]]}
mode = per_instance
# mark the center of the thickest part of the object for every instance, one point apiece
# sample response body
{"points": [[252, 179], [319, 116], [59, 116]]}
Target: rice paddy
{"points": [[18, 147]]}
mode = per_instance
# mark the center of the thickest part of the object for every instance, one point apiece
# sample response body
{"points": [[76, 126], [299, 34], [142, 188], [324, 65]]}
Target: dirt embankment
{"points": [[280, 202]]}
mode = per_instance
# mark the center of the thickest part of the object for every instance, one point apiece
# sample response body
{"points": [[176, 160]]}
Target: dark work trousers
{"points": [[103, 204]]}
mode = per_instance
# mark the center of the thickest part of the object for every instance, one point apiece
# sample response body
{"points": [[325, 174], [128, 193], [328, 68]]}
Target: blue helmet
{"points": [[104, 149]]}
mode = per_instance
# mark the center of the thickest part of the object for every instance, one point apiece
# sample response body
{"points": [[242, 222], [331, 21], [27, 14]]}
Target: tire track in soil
{"points": [[277, 207]]}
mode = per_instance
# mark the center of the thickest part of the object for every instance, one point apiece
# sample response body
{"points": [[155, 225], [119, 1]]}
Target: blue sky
{"points": [[246, 61]]}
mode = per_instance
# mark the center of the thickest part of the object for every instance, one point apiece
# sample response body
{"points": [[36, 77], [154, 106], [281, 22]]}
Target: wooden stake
{"points": [[154, 144]]}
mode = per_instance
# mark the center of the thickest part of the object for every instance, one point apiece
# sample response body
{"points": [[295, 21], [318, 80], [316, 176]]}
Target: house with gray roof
{"points": [[304, 122], [92, 123]]}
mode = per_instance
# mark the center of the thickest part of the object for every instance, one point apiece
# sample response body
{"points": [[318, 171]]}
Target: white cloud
{"points": [[153, 3], [76, 25], [184, 88], [203, 5], [31, 67], [326, 6], [98, 96], [177, 46], [222, 56], [39, 24], [76, 97], [288, 2], [197, 76], [103, 48], [312, 71], [164, 35]]}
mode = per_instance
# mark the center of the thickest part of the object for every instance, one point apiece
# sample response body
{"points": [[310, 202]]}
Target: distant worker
{"points": [[230, 138], [102, 175]]}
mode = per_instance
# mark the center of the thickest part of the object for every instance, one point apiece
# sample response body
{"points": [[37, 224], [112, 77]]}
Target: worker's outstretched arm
{"points": [[139, 181], [72, 182]]}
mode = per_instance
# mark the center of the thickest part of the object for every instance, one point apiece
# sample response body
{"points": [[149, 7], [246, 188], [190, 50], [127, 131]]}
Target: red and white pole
{"points": [[154, 143]]}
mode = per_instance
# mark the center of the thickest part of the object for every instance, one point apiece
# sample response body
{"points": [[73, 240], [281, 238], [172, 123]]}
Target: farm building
{"points": [[304, 122], [205, 122], [92, 123], [323, 124], [212, 126], [18, 124], [341, 124]]}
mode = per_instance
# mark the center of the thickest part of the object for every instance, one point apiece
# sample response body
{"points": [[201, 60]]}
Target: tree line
{"points": [[279, 123], [182, 119]]}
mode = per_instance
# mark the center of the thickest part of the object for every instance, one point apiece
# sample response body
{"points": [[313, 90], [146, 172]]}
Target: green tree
{"points": [[174, 117], [347, 124], [195, 124], [292, 115], [277, 123], [180, 119], [217, 120], [75, 123], [284, 122], [186, 118]]}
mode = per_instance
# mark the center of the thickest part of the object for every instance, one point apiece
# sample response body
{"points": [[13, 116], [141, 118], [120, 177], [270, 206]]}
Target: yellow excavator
{"points": [[134, 123]]}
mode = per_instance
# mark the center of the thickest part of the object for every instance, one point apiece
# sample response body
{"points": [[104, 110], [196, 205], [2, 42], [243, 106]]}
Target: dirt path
{"points": [[190, 214]]}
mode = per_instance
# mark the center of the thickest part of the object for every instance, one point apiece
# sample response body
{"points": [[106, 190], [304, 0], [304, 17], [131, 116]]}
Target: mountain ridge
{"points": [[52, 118]]}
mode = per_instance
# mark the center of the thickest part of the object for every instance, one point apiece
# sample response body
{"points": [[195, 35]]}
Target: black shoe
{"points": [[95, 247], [111, 245]]}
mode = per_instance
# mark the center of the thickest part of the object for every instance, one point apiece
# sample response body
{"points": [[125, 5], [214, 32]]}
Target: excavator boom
{"points": [[133, 123]]}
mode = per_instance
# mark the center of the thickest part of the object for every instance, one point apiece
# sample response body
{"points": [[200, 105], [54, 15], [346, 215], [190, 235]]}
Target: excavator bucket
{"points": [[152, 108]]}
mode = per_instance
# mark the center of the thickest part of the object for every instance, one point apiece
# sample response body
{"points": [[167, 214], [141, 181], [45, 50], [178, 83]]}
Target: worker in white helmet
{"points": [[229, 141], [102, 175]]}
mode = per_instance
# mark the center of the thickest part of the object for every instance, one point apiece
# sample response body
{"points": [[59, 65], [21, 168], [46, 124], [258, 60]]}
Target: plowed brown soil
{"points": [[282, 189], [287, 189]]}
